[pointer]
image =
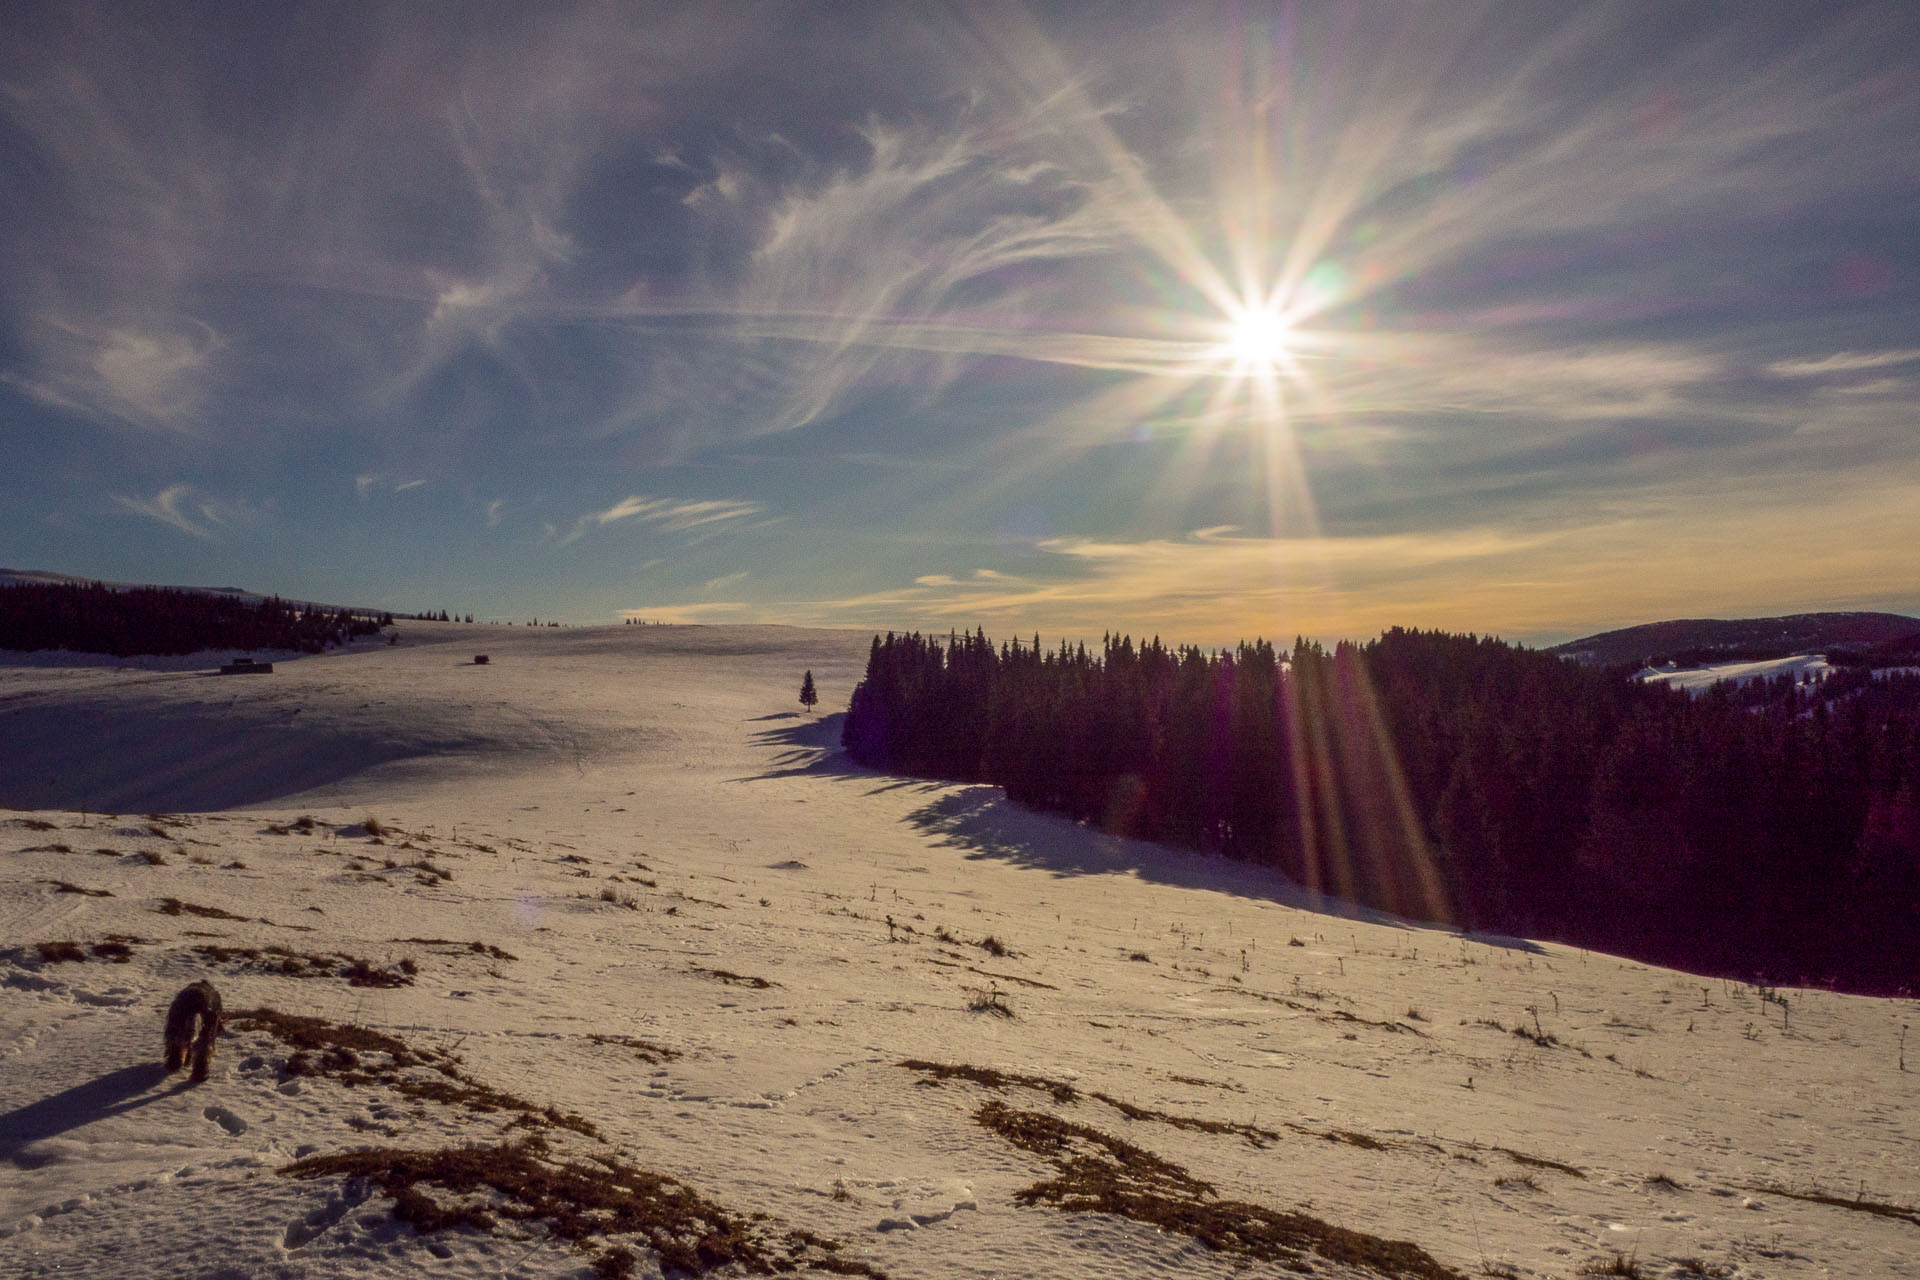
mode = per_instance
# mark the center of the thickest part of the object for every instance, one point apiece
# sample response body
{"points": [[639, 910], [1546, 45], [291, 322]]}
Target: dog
{"points": [[199, 1001]]}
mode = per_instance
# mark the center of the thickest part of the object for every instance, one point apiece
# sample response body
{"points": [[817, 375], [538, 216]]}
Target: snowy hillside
{"points": [[1803, 667], [593, 955]]}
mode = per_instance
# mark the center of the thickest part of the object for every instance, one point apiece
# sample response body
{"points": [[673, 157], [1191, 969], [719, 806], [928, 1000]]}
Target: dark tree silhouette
{"points": [[808, 694], [154, 620], [1769, 831]]}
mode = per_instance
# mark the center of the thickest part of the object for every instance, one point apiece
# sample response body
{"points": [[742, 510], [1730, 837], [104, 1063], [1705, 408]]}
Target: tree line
{"points": [[1771, 832], [92, 618]]}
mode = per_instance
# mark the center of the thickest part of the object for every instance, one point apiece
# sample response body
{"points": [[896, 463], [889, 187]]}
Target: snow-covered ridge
{"points": [[615, 876]]}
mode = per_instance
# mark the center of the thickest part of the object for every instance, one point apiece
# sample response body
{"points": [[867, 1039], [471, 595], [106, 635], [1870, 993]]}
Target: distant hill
{"points": [[1702, 640], [43, 578]]}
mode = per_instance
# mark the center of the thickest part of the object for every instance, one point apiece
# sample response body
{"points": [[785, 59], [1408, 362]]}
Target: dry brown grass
{"points": [[595, 1205], [1859, 1204], [1098, 1173], [360, 1056]]}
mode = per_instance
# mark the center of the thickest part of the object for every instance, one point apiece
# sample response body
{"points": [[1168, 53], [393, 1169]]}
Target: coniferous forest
{"points": [[1770, 833], [93, 618]]}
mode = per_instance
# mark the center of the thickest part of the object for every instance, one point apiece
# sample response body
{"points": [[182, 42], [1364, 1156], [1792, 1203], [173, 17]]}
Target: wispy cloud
{"points": [[669, 515], [180, 507], [682, 614], [1841, 362], [369, 484]]}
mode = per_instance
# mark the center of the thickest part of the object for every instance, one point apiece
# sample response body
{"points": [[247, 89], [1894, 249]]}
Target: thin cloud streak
{"points": [[669, 515]]}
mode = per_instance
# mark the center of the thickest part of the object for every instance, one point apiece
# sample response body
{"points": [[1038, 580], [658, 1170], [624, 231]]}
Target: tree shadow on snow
{"points": [[812, 748], [112, 1094], [982, 822]]}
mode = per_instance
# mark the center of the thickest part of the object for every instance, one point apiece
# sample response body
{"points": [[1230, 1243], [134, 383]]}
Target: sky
{"points": [[1207, 321]]}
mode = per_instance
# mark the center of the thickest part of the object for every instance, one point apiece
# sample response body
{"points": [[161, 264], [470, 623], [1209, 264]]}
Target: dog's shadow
{"points": [[104, 1096]]}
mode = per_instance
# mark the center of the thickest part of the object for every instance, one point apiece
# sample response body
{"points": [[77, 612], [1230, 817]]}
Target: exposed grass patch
{"points": [[63, 952], [1858, 1204], [1098, 1173], [1664, 1182], [152, 857], [737, 979], [51, 848], [1618, 1265], [1066, 1094], [1538, 1162], [592, 1205], [1702, 1269], [175, 907], [940, 1071], [36, 824], [62, 886], [295, 964], [354, 1056], [478, 948], [647, 1050], [1517, 1181]]}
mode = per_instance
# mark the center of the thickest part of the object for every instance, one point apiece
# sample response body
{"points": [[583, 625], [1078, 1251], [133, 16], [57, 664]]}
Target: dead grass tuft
{"points": [[1618, 1265], [982, 1000]]}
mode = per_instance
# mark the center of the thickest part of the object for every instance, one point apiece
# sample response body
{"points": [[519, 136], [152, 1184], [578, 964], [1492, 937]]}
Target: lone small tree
{"points": [[808, 694]]}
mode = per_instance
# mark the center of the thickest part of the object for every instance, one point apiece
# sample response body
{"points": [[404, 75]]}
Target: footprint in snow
{"points": [[232, 1123]]}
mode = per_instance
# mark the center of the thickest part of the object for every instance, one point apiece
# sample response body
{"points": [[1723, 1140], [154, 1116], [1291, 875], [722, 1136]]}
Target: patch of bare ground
{"points": [[175, 907], [736, 979], [1098, 1173], [601, 1206], [361, 1056], [647, 1050], [115, 948], [1538, 1162], [64, 886], [1067, 1094], [297, 964], [478, 948]]}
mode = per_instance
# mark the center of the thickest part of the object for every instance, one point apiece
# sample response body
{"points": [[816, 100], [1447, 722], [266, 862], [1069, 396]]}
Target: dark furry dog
{"points": [[198, 1002]]}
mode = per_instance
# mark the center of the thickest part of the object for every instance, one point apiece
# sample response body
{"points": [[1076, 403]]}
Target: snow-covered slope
{"points": [[644, 919], [1697, 680]]}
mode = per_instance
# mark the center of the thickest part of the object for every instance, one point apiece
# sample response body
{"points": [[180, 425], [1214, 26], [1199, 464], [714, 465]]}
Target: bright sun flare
{"points": [[1256, 338]]}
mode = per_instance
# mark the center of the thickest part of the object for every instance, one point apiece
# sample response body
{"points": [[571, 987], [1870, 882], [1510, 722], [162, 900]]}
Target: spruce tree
{"points": [[808, 694]]}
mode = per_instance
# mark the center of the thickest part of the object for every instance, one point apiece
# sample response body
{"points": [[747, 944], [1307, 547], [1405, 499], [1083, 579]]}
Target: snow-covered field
{"points": [[646, 920]]}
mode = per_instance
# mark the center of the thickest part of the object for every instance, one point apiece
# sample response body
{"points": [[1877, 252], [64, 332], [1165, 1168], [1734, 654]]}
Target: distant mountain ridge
{"points": [[1743, 639]]}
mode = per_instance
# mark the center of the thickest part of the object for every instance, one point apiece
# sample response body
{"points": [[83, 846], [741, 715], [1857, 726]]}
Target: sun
{"points": [[1257, 339]]}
